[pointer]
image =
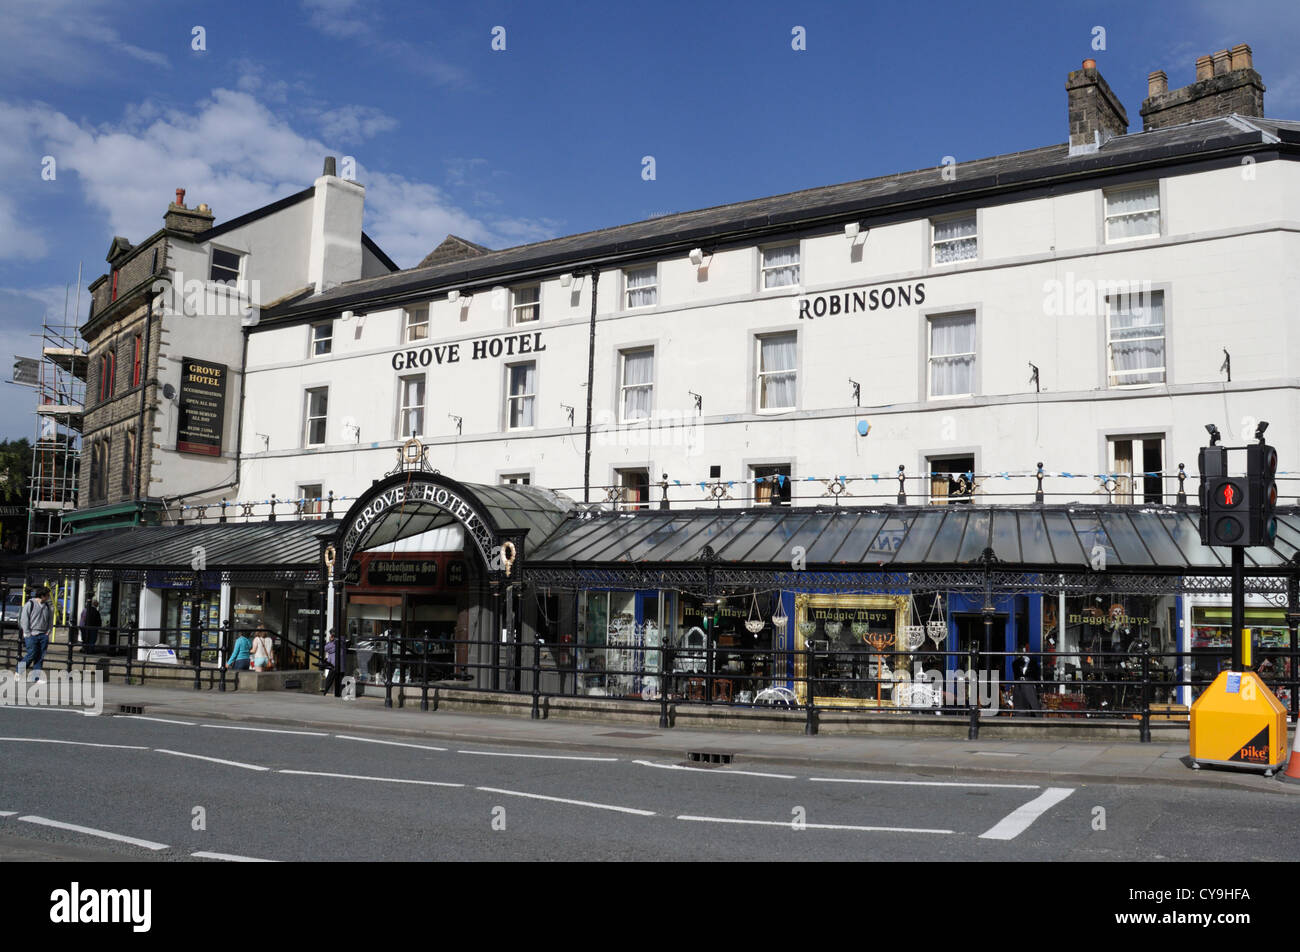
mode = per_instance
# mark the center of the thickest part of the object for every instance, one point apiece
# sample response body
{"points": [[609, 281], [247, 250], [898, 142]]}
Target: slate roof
{"points": [[226, 546], [904, 194]]}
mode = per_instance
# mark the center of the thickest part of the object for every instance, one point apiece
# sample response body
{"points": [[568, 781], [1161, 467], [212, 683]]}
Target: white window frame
{"points": [[624, 386], [516, 306], [328, 340], [653, 288], [308, 419], [212, 263], [515, 479], [764, 269], [1112, 376], [1126, 490], [935, 243], [409, 325], [313, 505], [762, 492], [405, 409], [624, 500], [1108, 217], [760, 373], [930, 355], [511, 398]]}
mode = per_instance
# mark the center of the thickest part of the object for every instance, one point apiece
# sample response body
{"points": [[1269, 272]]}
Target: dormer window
{"points": [[225, 266]]}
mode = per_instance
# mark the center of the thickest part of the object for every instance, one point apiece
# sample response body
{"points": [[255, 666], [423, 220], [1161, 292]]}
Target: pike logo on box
{"points": [[76, 905], [1255, 751]]}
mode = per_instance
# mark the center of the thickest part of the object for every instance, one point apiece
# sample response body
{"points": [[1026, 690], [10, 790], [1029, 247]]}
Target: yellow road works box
{"points": [[1238, 722]]}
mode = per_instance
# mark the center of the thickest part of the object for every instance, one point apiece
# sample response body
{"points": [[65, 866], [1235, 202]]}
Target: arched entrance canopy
{"points": [[408, 504]]}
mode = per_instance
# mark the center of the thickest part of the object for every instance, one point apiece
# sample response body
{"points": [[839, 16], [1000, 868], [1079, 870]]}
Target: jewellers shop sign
{"points": [[202, 407], [415, 496], [507, 346], [863, 299]]}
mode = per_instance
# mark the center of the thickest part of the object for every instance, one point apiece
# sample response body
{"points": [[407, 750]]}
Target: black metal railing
{"points": [[1117, 687]]}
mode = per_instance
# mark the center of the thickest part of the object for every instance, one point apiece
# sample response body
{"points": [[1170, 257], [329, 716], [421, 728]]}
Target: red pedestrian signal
{"points": [[1229, 495]]}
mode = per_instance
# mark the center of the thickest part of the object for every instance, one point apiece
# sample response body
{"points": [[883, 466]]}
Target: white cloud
{"points": [[356, 20], [356, 123], [68, 41]]}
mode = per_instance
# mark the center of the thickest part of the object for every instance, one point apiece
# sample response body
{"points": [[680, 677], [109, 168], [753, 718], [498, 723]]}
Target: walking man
{"points": [[34, 623], [90, 622]]}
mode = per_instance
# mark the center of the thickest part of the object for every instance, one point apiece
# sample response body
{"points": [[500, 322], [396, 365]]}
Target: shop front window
{"points": [[845, 639], [1211, 646], [1100, 652], [619, 643]]}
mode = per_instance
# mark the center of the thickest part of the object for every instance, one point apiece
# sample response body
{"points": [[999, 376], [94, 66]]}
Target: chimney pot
{"points": [[1157, 83], [1241, 57], [180, 197], [330, 167], [1221, 62], [1204, 67], [1090, 64]]}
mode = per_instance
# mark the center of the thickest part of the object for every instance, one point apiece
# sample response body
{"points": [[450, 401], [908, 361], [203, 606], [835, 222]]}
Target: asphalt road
{"points": [[112, 787]]}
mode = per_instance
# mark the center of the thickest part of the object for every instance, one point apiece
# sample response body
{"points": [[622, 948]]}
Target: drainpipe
{"points": [[144, 390], [591, 368]]}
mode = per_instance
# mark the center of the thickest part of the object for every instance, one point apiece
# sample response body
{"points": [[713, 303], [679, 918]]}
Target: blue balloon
{"points": [[863, 428]]}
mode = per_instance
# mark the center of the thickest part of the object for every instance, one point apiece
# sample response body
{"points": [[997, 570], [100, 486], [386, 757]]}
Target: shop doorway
{"points": [[409, 637], [970, 630]]}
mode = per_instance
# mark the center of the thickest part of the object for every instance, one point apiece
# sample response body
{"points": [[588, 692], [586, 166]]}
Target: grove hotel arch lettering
{"points": [[417, 491]]}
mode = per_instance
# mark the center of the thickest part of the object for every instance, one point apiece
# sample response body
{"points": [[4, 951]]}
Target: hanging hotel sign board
{"points": [[202, 407], [414, 496]]}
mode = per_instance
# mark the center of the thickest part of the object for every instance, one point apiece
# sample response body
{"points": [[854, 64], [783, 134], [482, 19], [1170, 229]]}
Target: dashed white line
{"points": [[8, 812], [265, 730], [343, 776], [790, 825], [230, 857], [994, 753], [214, 760], [1018, 820], [715, 770], [91, 831], [576, 803], [71, 743], [499, 753], [928, 783], [156, 720], [390, 743]]}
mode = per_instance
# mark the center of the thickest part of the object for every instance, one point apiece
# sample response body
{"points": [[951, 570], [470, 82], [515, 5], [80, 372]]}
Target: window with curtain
{"points": [[411, 422], [522, 393], [955, 239], [1136, 465], [417, 324], [316, 412], [776, 372], [781, 267], [1132, 212], [952, 355], [1135, 338], [775, 478], [526, 305], [637, 388], [642, 287]]}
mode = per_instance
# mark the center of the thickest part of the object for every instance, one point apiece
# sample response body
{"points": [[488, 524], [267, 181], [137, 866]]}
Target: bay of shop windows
{"points": [[450, 353]]}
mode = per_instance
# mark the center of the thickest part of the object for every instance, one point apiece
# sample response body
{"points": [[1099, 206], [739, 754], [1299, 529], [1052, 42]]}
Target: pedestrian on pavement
{"points": [[1027, 675], [90, 622], [333, 661], [263, 651], [34, 623], [241, 653]]}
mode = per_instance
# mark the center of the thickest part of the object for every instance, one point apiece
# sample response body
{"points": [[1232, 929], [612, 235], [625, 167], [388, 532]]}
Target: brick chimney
{"points": [[188, 220], [1226, 82], [1095, 112]]}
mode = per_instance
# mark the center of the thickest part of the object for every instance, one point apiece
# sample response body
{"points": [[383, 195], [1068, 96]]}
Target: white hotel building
{"points": [[928, 337]]}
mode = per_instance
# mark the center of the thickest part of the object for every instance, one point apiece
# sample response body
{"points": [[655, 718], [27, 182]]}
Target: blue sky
{"points": [[545, 137]]}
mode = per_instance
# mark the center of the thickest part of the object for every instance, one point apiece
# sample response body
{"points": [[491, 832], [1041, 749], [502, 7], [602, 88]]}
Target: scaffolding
{"points": [[60, 385]]}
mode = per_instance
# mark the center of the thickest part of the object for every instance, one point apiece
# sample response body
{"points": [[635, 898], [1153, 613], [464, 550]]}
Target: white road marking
{"points": [[230, 857], [73, 743], [929, 783], [214, 760], [343, 776], [40, 707], [715, 770], [1018, 820], [576, 803], [90, 831], [994, 753], [391, 743], [156, 720], [498, 753], [8, 812], [789, 825], [265, 730]]}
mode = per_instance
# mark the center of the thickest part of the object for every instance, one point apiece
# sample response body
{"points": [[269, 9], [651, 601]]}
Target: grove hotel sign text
{"points": [[507, 346], [416, 496]]}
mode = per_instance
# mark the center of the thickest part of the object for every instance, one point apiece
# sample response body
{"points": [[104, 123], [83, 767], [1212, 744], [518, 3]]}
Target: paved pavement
{"points": [[1076, 761]]}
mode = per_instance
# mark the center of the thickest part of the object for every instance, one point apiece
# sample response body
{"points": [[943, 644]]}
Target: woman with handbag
{"points": [[263, 651]]}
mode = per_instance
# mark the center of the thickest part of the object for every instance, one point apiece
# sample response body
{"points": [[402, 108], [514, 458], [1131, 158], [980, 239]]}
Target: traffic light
{"points": [[1261, 473], [1223, 500]]}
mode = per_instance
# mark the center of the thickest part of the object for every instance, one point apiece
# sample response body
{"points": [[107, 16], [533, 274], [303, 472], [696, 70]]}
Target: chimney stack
{"points": [[1094, 111], [334, 255], [190, 221], [330, 167], [1226, 83]]}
